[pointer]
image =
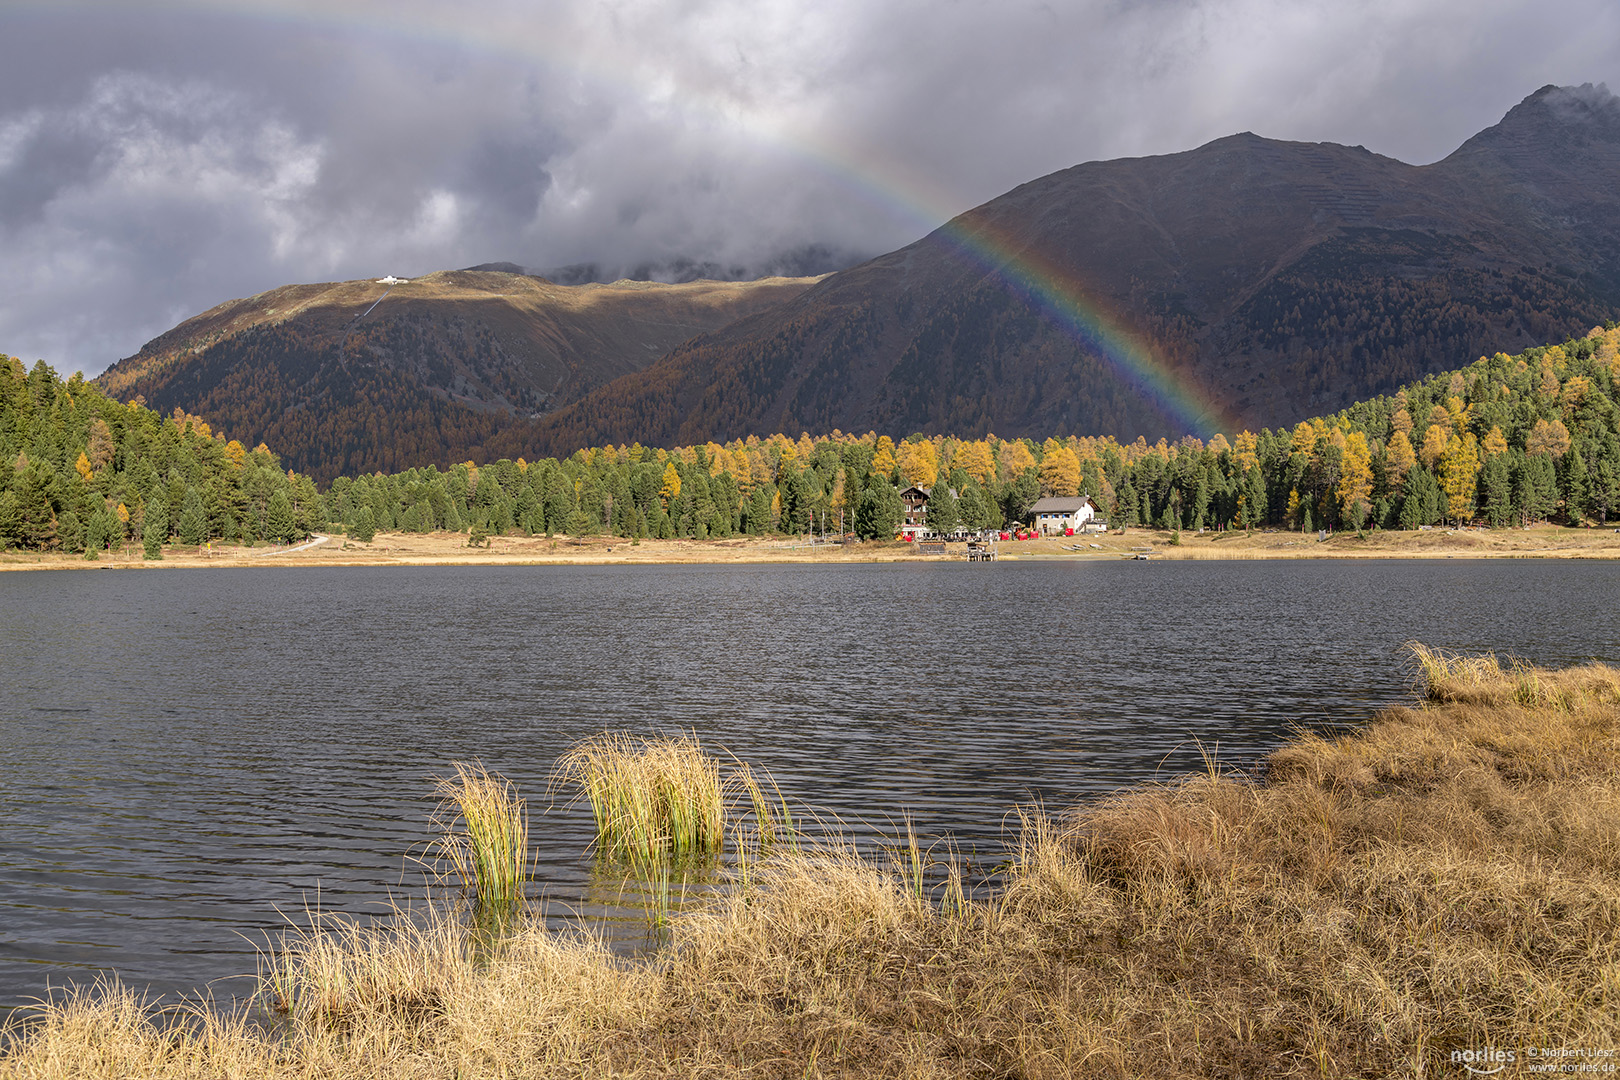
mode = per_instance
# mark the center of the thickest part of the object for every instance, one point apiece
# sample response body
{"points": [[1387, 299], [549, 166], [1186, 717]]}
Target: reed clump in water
{"points": [[490, 853], [1443, 880], [653, 799]]}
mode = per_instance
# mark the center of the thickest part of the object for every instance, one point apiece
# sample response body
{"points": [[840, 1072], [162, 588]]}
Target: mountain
{"points": [[1269, 280], [356, 376]]}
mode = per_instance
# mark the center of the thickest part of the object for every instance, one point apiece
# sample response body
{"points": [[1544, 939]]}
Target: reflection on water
{"points": [[185, 753]]}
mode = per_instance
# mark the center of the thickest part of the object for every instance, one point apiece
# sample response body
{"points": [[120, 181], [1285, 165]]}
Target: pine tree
{"points": [[155, 528], [279, 523], [70, 532], [38, 521], [10, 520], [364, 525], [1496, 490], [1577, 486], [879, 514], [943, 515], [192, 528]]}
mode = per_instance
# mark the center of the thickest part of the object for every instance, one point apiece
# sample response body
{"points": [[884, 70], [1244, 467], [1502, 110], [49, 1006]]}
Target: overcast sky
{"points": [[158, 158]]}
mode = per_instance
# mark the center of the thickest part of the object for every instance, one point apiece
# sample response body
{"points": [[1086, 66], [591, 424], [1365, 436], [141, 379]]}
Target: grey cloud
{"points": [[157, 158]]}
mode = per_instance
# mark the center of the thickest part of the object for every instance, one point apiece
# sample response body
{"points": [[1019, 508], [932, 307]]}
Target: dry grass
{"points": [[1446, 879]]}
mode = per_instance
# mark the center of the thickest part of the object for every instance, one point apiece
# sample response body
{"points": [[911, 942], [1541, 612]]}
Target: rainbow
{"points": [[1038, 278]]}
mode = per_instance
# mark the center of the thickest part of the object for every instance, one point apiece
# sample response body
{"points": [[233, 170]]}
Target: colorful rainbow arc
{"points": [[1037, 277]]}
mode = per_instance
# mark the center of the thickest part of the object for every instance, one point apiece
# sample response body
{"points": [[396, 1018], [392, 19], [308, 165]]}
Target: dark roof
{"points": [[1054, 504]]}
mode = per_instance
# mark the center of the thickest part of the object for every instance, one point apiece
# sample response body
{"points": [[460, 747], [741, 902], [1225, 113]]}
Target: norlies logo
{"points": [[1484, 1062]]}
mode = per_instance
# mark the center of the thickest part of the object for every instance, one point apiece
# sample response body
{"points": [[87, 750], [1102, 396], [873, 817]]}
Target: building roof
{"points": [[1054, 504]]}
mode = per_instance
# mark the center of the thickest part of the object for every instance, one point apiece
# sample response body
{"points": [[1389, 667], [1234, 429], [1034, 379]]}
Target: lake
{"points": [[189, 754]]}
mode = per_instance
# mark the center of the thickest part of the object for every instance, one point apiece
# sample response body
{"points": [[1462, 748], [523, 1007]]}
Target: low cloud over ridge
{"points": [[156, 159]]}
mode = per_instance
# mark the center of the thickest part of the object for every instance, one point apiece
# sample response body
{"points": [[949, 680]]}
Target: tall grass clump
{"points": [[652, 798], [490, 853]]}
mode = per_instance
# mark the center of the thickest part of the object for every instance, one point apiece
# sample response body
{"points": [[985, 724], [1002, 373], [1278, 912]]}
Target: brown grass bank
{"points": [[1444, 881]]}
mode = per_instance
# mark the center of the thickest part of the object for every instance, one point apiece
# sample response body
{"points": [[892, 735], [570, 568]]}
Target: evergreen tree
{"points": [[38, 520], [759, 511], [363, 527], [155, 528], [1536, 487], [70, 532], [1577, 486], [10, 520], [1496, 488], [581, 523], [880, 512], [192, 528], [100, 530], [978, 510], [1022, 493], [1421, 504], [942, 509], [279, 523], [1128, 507]]}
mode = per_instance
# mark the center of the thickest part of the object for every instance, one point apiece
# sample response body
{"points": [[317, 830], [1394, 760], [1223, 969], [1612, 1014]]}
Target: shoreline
{"points": [[450, 549], [1405, 897]]}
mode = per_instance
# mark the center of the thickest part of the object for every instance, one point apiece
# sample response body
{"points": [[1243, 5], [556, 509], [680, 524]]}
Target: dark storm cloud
{"points": [[157, 158]]}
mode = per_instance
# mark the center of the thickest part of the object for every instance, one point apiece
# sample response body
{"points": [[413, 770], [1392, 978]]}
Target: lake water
{"points": [[183, 754]]}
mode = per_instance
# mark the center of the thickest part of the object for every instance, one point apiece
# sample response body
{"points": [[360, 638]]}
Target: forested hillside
{"points": [[1508, 439]]}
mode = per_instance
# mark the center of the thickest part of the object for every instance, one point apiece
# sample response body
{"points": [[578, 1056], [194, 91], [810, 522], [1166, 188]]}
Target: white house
{"points": [[1055, 515]]}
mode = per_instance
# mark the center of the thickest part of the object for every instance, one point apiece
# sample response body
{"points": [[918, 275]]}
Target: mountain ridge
{"points": [[465, 354], [1279, 278]]}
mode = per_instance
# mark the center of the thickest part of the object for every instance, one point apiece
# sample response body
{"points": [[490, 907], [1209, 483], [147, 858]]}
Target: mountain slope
{"points": [[1272, 281], [354, 376]]}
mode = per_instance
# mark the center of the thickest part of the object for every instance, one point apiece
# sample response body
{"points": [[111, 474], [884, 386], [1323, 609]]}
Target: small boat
{"points": [[1142, 556]]}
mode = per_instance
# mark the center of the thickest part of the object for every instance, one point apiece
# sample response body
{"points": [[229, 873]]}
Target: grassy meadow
{"points": [[1444, 881]]}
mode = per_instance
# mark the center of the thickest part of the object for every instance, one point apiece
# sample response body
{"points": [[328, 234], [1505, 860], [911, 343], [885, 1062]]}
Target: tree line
{"points": [[1507, 440], [86, 473]]}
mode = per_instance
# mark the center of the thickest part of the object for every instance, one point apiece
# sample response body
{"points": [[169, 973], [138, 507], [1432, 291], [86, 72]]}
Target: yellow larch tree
{"points": [[974, 459], [1494, 443], [1398, 459], [101, 447], [1461, 415], [1575, 391], [1304, 440], [1245, 446], [918, 463], [1549, 385], [1434, 444], [86, 473], [1548, 437], [1060, 469], [671, 487], [1459, 476], [883, 457], [1015, 458], [1355, 478]]}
